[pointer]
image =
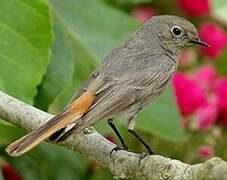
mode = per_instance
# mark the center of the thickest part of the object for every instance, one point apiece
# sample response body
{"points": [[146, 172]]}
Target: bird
{"points": [[128, 79]]}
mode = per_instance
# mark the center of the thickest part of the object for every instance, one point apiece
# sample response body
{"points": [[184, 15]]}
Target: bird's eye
{"points": [[176, 31]]}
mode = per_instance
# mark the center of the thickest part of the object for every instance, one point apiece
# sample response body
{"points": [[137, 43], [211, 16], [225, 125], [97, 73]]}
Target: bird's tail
{"points": [[75, 111]]}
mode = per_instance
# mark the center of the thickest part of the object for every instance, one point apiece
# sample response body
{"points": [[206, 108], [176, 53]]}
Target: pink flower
{"points": [[205, 152], [189, 94], [9, 173], [220, 91], [143, 13], [215, 37], [205, 77], [195, 8], [206, 116]]}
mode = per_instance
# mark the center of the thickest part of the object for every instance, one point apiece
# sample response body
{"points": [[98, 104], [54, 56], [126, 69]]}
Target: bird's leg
{"points": [[124, 146], [139, 138]]}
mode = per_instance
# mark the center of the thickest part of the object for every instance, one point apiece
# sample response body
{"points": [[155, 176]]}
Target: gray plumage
{"points": [[136, 71], [129, 78]]}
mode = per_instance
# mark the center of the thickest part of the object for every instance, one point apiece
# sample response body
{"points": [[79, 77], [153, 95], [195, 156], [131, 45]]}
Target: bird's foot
{"points": [[117, 148], [145, 154]]}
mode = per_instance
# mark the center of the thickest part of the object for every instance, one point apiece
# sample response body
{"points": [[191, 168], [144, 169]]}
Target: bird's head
{"points": [[175, 33]]}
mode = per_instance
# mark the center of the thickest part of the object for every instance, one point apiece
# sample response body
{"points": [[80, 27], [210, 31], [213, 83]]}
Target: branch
{"points": [[124, 165]]}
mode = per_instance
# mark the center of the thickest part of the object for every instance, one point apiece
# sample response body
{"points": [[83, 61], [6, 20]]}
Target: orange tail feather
{"points": [[75, 111]]}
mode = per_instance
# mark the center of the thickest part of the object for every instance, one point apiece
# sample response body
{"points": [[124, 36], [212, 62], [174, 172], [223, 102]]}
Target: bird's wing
{"points": [[119, 96], [122, 93]]}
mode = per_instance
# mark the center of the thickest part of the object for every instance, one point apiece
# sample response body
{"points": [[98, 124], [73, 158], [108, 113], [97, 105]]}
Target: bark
{"points": [[123, 165]]}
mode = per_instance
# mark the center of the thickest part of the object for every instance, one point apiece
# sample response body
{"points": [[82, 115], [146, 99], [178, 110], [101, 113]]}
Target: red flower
{"points": [[205, 77], [110, 137], [195, 8], [143, 13], [221, 93], [9, 173], [206, 116], [205, 152], [189, 94], [215, 37]]}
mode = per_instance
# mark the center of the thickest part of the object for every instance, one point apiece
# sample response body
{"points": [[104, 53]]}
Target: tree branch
{"points": [[123, 165]]}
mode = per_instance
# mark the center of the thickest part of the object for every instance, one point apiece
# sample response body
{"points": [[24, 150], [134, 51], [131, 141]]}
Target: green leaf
{"points": [[82, 63], [25, 38], [101, 174], [9, 132], [1, 85], [82, 37], [71, 62], [219, 10], [130, 1], [48, 162], [95, 24], [1, 175], [162, 118], [221, 63]]}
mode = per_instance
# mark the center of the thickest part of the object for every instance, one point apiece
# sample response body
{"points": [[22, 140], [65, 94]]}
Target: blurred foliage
{"points": [[162, 119], [8, 132], [1, 176], [219, 10], [88, 37], [126, 4], [54, 45], [221, 64], [49, 162], [131, 1], [25, 46]]}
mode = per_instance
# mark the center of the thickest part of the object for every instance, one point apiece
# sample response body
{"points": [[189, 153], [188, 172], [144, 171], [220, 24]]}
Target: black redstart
{"points": [[134, 73]]}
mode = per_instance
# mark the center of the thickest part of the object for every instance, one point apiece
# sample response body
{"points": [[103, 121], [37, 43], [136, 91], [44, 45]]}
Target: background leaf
{"points": [[9, 132], [162, 118], [133, 1], [49, 162], [126, 3], [71, 63], [219, 10], [25, 38], [97, 32], [83, 38], [1, 176]]}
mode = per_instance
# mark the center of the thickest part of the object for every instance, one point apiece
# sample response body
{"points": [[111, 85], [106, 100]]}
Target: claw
{"points": [[145, 154], [150, 151], [117, 148]]}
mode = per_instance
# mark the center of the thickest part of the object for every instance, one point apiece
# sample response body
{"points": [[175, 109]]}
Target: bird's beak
{"points": [[199, 42]]}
